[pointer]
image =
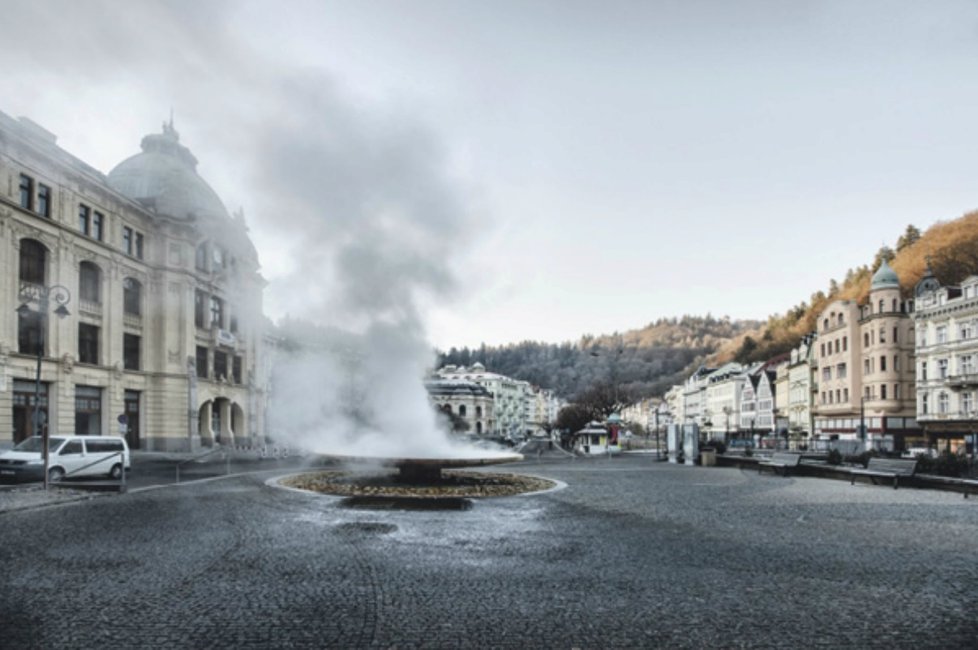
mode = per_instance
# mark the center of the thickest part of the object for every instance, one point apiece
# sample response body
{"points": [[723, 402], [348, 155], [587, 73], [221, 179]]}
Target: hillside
{"points": [[950, 246], [642, 362]]}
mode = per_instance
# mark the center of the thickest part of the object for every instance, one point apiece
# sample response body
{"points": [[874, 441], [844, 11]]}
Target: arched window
{"points": [[478, 411], [478, 427], [33, 261], [825, 324], [881, 306], [461, 410], [89, 283], [841, 320], [866, 339], [132, 297]]}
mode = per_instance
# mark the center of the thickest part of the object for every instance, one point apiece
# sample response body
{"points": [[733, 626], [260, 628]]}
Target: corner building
{"points": [[865, 374], [163, 340]]}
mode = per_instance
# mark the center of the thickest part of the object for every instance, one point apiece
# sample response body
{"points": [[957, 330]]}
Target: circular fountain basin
{"points": [[425, 469]]}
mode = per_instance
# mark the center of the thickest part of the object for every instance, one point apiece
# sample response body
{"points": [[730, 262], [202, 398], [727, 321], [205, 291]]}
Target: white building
{"points": [[721, 413], [509, 415], [466, 399], [946, 320]]}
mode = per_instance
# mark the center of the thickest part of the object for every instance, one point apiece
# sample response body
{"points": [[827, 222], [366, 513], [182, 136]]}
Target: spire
{"points": [[168, 129]]}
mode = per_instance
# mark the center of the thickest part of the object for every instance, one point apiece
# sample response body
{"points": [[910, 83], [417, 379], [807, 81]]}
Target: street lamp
{"points": [[43, 296]]}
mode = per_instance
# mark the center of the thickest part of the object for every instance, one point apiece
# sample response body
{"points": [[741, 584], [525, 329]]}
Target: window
{"points": [[29, 331], [881, 307], [98, 220], [967, 366], [44, 200], [233, 323], [236, 369], [840, 371], [89, 283], [200, 262], [965, 332], [217, 257], [132, 297], [896, 391], [201, 361], [33, 260], [942, 403], [845, 394], [837, 346], [923, 370], [825, 324], [823, 349], [866, 339], [217, 312], [922, 337], [845, 343], [220, 365], [200, 299], [942, 368], [26, 192], [923, 404], [896, 363], [894, 304], [883, 391], [882, 335], [942, 334], [478, 411], [882, 364], [865, 366], [132, 242], [84, 219], [896, 334], [461, 410], [130, 351], [967, 403], [826, 374], [841, 320], [838, 396], [88, 343], [88, 410]]}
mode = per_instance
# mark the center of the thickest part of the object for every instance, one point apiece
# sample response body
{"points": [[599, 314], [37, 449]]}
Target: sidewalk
{"points": [[32, 495]]}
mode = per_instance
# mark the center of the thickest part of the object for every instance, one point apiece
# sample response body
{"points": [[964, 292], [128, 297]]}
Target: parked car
{"points": [[68, 456]]}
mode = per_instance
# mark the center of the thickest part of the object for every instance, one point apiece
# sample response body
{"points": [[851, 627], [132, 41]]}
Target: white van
{"points": [[69, 456]]}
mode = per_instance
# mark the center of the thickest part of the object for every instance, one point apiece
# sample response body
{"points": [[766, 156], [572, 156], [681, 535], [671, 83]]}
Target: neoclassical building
{"points": [[865, 376], [947, 359], [466, 399], [161, 335]]}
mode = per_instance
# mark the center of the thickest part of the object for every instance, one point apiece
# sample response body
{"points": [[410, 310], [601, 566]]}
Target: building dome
{"points": [[885, 278], [164, 179]]}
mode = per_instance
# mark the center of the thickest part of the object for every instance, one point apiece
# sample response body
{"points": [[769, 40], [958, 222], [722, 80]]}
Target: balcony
{"points": [[132, 320], [957, 382], [224, 338], [90, 308]]}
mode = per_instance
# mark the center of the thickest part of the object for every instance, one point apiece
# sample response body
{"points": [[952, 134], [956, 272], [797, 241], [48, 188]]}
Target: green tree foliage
{"points": [[641, 362], [909, 237]]}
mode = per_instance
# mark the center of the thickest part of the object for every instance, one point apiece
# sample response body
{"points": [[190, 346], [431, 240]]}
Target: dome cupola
{"points": [[885, 278]]}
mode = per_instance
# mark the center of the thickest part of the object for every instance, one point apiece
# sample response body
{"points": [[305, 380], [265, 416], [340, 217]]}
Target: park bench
{"points": [[885, 468], [780, 461]]}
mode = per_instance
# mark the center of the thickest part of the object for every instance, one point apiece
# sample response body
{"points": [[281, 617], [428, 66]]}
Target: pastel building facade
{"points": [[161, 333]]}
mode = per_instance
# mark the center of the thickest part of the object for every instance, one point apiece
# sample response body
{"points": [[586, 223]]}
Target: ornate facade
{"points": [[161, 336]]}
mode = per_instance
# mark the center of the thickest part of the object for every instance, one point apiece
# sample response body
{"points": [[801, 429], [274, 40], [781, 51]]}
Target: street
{"points": [[632, 553]]}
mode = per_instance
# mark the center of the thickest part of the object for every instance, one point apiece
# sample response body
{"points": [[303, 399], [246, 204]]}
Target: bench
{"points": [[886, 468], [783, 461]]}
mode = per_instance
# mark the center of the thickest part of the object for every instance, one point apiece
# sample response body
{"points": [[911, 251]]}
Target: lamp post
{"points": [[43, 296], [862, 419]]}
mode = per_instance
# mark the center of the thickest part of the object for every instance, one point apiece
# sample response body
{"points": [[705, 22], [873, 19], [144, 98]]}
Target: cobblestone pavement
{"points": [[631, 554]]}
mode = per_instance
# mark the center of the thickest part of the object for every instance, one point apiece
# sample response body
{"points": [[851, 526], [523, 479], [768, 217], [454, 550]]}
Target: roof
{"points": [[885, 278]]}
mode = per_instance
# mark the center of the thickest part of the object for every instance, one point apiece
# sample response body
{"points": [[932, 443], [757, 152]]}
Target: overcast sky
{"points": [[567, 167]]}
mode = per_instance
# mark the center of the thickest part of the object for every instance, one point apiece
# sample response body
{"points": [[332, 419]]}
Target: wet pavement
{"points": [[632, 553]]}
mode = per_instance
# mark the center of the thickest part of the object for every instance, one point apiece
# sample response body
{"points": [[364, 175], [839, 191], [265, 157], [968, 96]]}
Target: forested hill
{"points": [[643, 362], [950, 247]]}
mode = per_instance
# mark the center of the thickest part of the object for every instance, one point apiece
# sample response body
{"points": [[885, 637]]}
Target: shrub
{"points": [[947, 464], [834, 457]]}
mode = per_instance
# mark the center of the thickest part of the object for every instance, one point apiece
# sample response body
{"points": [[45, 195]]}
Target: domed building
{"points": [[161, 337], [865, 375]]}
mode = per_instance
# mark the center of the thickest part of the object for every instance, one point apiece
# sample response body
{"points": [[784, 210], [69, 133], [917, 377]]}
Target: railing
{"points": [[132, 320], [227, 460], [90, 307]]}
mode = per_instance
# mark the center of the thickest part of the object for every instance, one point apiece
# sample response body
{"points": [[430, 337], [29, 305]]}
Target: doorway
{"points": [[24, 409]]}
